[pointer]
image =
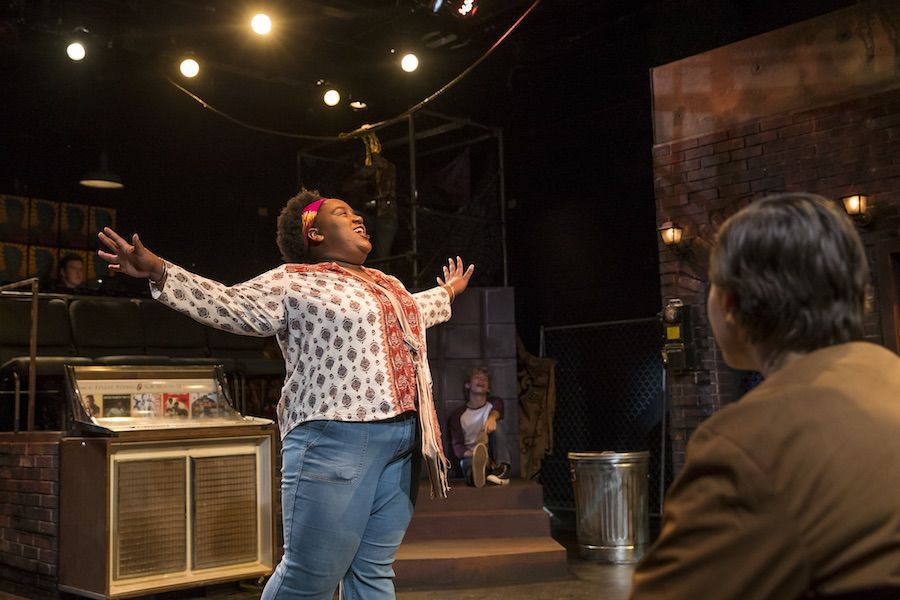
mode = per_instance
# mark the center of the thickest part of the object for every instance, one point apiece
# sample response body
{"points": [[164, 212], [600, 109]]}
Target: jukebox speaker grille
{"points": [[150, 515], [225, 510]]}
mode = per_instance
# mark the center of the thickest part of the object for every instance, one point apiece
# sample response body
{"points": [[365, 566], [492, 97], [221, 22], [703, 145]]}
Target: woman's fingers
{"points": [[108, 242], [107, 256], [115, 237]]}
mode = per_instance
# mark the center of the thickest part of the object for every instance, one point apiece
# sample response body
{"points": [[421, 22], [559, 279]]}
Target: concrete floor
{"points": [[587, 581]]}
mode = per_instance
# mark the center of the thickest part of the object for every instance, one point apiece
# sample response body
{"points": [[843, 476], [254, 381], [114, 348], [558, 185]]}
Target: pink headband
{"points": [[308, 216]]}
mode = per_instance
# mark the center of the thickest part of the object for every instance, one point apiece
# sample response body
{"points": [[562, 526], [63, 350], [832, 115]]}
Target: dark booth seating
{"points": [[55, 349], [110, 331]]}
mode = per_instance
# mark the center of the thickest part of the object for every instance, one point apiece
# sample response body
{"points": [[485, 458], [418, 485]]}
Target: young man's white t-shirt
{"points": [[472, 422]]}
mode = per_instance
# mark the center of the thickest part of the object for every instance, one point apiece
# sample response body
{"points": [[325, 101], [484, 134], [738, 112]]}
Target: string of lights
{"points": [[367, 130]]}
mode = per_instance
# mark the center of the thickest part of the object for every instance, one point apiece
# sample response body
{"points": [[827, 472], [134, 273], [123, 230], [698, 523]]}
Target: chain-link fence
{"points": [[609, 396]]}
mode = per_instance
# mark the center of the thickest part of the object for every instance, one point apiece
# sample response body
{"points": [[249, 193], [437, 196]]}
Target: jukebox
{"points": [[163, 485]]}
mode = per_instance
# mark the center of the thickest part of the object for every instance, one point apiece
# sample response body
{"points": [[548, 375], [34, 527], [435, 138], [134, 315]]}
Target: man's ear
{"points": [[729, 305]]}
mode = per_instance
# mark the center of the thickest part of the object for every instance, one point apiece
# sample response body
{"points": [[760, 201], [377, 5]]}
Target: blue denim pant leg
{"points": [[498, 448], [346, 506]]}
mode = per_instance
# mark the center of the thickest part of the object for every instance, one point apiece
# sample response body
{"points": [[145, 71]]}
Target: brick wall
{"points": [[836, 150], [29, 504]]}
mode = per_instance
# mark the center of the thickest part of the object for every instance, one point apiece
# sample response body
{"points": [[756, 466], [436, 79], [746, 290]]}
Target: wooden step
{"points": [[434, 564], [478, 523], [518, 493], [476, 537]]}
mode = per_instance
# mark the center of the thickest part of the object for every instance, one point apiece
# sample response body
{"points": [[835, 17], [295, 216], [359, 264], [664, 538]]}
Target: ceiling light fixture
{"points": [[331, 97], [189, 67], [468, 8], [76, 50], [261, 24], [358, 105], [409, 63], [102, 178]]}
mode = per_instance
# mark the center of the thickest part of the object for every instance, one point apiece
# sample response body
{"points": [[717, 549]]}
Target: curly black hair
{"points": [[289, 229]]}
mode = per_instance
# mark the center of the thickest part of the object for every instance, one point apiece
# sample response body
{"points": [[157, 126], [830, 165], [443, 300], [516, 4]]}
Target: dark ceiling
{"points": [[561, 50], [353, 44], [569, 87]]}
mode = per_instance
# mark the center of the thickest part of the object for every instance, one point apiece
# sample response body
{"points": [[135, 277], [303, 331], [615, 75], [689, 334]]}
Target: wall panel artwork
{"points": [[97, 268], [13, 261], [42, 261], [73, 229], [13, 219], [43, 223], [99, 218]]}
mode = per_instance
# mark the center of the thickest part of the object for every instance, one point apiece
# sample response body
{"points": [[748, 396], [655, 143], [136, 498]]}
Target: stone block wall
{"points": [[481, 332]]}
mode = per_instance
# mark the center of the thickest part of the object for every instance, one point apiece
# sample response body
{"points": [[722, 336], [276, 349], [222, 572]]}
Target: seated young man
{"points": [[482, 453]]}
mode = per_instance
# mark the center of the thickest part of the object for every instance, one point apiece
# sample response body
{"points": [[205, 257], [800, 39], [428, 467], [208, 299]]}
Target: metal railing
{"points": [[31, 282]]}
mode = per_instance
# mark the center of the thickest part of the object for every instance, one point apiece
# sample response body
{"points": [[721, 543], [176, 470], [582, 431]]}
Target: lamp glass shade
{"points": [[670, 234], [103, 180], [855, 205]]}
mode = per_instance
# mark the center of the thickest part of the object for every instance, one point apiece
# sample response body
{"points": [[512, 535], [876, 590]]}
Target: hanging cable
{"points": [[366, 132], [454, 81], [250, 126]]}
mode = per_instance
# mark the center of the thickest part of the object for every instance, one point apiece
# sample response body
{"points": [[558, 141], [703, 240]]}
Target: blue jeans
{"points": [[347, 499]]}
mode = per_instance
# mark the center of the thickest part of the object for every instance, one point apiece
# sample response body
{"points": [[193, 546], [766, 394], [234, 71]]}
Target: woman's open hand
{"points": [[455, 277], [130, 258]]}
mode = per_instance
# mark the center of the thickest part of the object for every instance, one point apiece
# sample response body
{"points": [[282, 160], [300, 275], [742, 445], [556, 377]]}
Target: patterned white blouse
{"points": [[332, 329]]}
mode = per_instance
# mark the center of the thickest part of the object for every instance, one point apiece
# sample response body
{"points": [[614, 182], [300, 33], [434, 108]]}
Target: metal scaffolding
{"points": [[429, 138]]}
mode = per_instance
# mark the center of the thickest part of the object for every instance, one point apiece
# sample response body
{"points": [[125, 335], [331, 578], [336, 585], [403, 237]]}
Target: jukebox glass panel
{"points": [[121, 398]]}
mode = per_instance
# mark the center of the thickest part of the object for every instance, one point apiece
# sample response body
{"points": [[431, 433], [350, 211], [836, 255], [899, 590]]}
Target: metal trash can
{"points": [[611, 504]]}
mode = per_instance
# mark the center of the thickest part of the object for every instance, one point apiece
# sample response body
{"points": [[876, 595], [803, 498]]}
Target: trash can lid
{"points": [[610, 457]]}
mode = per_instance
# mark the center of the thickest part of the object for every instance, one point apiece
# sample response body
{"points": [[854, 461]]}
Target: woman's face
{"points": [[339, 233]]}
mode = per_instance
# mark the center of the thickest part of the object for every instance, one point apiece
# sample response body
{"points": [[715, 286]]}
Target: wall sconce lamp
{"points": [[857, 206], [672, 237]]}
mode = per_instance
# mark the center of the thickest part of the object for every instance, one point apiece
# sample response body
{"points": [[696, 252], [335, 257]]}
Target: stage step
{"points": [[494, 535]]}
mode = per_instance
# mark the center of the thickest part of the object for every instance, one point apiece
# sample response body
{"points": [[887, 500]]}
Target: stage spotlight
{"points": [[409, 63], [189, 67], [77, 48], [76, 51], [467, 8], [331, 97], [358, 105], [261, 24]]}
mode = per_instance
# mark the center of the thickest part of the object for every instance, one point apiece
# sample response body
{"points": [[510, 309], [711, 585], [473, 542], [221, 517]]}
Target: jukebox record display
{"points": [[122, 398]]}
